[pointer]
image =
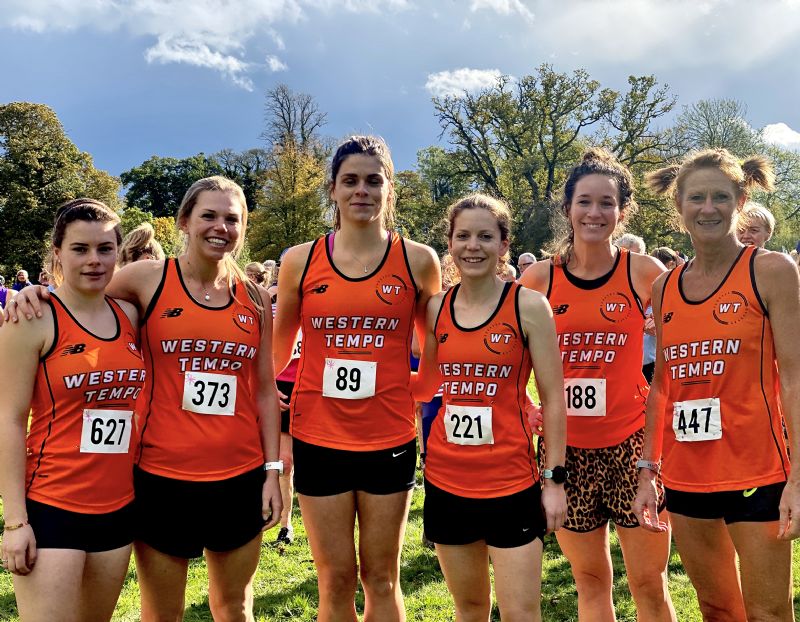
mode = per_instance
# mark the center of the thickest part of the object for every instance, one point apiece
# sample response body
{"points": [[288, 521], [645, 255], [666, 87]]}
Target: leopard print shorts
{"points": [[602, 484]]}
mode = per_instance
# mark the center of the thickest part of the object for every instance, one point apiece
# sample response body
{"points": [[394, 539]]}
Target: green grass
{"points": [[285, 586]]}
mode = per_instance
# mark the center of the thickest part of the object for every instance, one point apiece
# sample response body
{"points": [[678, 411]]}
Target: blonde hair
{"points": [[260, 271], [753, 211], [139, 241], [218, 183]]}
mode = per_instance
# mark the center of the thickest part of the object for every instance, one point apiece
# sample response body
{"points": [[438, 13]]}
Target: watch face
{"points": [[559, 475]]}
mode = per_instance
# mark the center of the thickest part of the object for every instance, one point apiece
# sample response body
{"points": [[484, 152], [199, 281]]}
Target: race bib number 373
{"points": [[209, 394], [348, 379], [697, 420], [106, 431]]}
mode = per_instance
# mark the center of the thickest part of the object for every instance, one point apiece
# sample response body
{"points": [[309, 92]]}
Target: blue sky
{"points": [[135, 78]]}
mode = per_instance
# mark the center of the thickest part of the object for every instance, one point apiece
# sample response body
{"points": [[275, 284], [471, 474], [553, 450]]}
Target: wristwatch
{"points": [[274, 466], [558, 474]]}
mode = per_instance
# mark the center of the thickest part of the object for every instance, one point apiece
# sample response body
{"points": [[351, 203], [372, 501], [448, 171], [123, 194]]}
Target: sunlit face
{"points": [[22, 277], [754, 233], [524, 264], [361, 189], [476, 244], [708, 204], [88, 255], [215, 224], [254, 276], [594, 211]]}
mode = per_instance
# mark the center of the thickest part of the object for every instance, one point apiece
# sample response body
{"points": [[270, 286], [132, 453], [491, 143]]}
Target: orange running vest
{"points": [[600, 326], [352, 390], [480, 445], [80, 446], [199, 420], [722, 424]]}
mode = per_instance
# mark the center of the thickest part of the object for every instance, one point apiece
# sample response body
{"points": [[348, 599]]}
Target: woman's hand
{"points": [[19, 550], [26, 303], [554, 504], [271, 500], [645, 506]]}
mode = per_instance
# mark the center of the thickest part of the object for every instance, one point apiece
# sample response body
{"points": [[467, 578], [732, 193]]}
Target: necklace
{"points": [[206, 295], [365, 265]]}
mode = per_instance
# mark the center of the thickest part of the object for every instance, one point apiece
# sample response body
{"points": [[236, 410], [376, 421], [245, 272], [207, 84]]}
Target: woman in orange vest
{"points": [[355, 293], [598, 293], [484, 499], [208, 417], [726, 374], [68, 499]]}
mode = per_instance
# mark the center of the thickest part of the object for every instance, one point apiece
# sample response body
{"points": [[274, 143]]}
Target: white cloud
{"points": [[455, 83], [276, 64], [782, 135], [503, 7], [678, 33], [202, 33]]}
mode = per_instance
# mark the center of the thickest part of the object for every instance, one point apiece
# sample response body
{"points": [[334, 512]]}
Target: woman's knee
{"points": [[650, 586], [379, 581], [337, 581]]}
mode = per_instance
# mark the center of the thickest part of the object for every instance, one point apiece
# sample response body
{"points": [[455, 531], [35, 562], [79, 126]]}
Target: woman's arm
{"points": [[428, 379], [646, 504], [287, 316], [269, 417], [540, 328], [27, 341], [778, 285], [427, 274]]}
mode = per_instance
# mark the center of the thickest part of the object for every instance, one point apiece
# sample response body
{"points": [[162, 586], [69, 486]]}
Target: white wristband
{"points": [[274, 466]]}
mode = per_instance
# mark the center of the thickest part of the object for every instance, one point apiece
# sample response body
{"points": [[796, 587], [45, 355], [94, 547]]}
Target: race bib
{"points": [[697, 420], [586, 397], [297, 348], [347, 379], [106, 431], [468, 425], [209, 394]]}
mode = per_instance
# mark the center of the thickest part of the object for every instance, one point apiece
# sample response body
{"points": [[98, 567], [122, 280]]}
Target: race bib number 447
{"points": [[697, 420], [106, 431], [347, 379], [469, 425], [209, 394]]}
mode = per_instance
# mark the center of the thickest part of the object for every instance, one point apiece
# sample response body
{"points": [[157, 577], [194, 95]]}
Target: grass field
{"points": [[285, 587]]}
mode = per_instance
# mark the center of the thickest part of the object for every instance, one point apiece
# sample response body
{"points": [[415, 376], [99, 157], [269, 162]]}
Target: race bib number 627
{"points": [[106, 431]]}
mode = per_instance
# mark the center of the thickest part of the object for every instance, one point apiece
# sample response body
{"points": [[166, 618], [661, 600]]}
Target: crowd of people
{"points": [[668, 394]]}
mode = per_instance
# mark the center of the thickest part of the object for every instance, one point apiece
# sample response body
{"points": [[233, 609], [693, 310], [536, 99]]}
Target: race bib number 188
{"points": [[106, 431], [209, 394], [697, 420], [585, 397], [348, 379]]}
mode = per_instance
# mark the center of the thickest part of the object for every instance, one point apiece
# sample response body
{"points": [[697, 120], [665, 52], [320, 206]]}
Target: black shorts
{"points": [[55, 528], [285, 387], [181, 518], [322, 471], [502, 522], [753, 505]]}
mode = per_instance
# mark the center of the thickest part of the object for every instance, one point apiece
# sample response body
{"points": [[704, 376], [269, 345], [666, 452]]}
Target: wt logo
{"points": [[615, 307], [730, 307]]}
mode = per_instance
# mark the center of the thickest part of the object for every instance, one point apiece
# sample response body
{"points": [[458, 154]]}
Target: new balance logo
{"points": [[443, 338], [320, 290], [172, 312], [667, 317], [560, 309], [76, 349]]}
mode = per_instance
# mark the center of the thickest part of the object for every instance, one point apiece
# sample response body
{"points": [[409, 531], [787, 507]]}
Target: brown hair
{"points": [[260, 270], [496, 207], [366, 145], [139, 241], [218, 183], [595, 161], [83, 209]]}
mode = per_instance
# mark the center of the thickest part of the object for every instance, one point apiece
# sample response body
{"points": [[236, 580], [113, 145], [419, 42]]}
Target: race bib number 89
{"points": [[586, 397], [697, 420], [469, 425], [209, 394], [106, 431], [347, 379]]}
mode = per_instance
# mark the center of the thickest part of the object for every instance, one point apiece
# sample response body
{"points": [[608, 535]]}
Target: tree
{"points": [[292, 117], [132, 217], [712, 123], [158, 184], [294, 208], [40, 168], [168, 236], [417, 215], [248, 169]]}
